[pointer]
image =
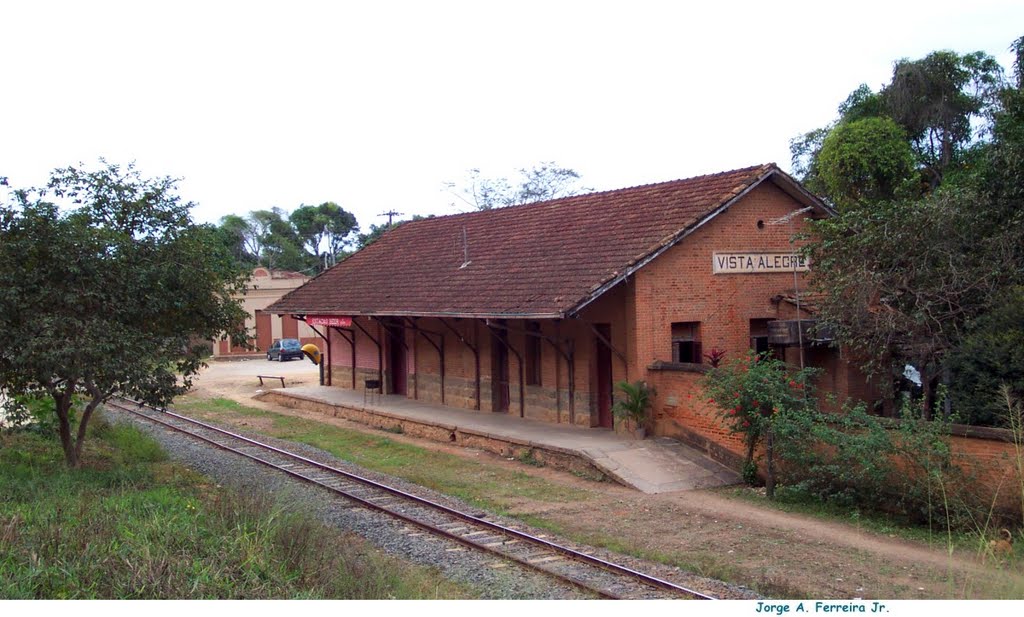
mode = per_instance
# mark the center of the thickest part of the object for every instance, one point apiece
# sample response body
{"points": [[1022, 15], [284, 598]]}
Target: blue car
{"points": [[285, 349]]}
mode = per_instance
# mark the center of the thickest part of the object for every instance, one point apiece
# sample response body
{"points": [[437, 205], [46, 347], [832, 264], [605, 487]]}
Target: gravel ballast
{"points": [[490, 577]]}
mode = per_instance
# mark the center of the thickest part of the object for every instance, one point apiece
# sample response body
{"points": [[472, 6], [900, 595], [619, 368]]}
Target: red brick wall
{"points": [[678, 286], [992, 464]]}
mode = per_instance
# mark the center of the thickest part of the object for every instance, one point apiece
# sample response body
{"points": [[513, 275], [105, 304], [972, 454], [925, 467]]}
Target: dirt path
{"points": [[721, 535]]}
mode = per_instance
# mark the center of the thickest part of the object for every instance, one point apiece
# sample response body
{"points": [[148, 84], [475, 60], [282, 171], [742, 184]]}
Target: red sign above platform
{"points": [[336, 321]]}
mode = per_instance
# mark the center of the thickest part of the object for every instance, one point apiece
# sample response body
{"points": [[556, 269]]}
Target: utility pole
{"points": [[390, 214]]}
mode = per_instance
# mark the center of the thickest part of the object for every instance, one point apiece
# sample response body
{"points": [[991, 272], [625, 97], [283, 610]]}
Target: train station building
{"points": [[538, 310]]}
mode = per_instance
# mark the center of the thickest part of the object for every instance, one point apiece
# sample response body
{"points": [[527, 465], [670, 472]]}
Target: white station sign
{"points": [[758, 263]]}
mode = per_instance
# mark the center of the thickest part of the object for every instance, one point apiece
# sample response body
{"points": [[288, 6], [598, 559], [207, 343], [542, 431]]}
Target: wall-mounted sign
{"points": [[335, 321], [746, 263]]}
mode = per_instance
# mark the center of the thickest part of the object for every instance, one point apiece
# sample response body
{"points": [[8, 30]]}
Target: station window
{"points": [[686, 342], [759, 335], [532, 355]]}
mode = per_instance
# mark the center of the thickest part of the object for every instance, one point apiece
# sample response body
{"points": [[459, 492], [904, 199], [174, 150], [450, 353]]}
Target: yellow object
{"points": [[312, 352]]}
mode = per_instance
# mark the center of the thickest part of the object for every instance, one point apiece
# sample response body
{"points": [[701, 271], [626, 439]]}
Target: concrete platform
{"points": [[655, 465]]}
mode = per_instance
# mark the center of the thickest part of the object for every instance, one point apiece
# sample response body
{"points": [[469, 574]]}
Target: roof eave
{"points": [[439, 314]]}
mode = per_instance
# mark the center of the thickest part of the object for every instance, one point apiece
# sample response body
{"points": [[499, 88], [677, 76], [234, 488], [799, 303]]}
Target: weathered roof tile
{"points": [[541, 259]]}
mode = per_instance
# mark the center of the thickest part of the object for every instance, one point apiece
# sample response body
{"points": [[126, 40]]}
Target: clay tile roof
{"points": [[539, 260]]}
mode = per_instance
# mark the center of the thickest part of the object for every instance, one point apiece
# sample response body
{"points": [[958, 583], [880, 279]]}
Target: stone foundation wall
{"points": [[341, 377], [507, 447], [544, 404], [458, 391]]}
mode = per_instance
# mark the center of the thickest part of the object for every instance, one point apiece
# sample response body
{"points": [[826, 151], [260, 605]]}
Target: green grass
{"points": [[128, 524], [478, 484], [499, 490], [482, 485]]}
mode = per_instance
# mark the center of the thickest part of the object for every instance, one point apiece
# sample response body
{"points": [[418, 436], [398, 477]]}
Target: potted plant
{"points": [[634, 405]]}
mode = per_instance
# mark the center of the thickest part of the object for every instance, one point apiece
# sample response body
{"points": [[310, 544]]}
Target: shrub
{"points": [[636, 402], [752, 393], [904, 467]]}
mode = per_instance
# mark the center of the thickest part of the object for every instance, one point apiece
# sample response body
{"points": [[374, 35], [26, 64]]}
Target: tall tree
{"points": [[943, 105], [907, 276], [901, 281], [865, 160], [541, 182], [326, 230], [244, 231], [109, 296], [271, 239], [234, 233], [937, 100]]}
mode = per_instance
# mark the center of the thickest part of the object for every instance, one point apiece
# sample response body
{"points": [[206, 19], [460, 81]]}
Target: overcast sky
{"points": [[375, 105]]}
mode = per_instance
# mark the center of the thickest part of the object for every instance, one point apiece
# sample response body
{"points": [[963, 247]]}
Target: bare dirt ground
{"points": [[778, 553]]}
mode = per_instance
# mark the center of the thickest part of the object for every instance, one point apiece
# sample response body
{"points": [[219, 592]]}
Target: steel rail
{"points": [[608, 566]]}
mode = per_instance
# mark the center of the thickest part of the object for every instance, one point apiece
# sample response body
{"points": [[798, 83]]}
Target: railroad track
{"points": [[592, 574]]}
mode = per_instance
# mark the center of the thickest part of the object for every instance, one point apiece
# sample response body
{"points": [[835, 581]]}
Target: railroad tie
{"points": [[545, 559]]}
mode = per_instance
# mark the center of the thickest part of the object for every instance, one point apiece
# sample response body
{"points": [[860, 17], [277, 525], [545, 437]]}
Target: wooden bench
{"points": [[262, 377]]}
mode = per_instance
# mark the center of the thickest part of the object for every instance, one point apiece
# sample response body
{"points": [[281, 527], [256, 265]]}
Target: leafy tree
{"points": [[266, 237], [108, 296], [919, 252], [944, 104], [539, 183], [327, 224], [899, 281], [232, 233], [860, 104], [867, 159], [937, 99], [989, 358], [282, 245], [290, 242], [246, 239], [752, 394]]}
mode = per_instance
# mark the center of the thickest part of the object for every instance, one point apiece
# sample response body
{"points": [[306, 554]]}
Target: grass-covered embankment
{"points": [[129, 524]]}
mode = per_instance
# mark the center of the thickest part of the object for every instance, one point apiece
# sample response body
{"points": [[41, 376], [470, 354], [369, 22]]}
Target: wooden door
{"points": [[397, 359], [499, 371], [264, 331]]}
